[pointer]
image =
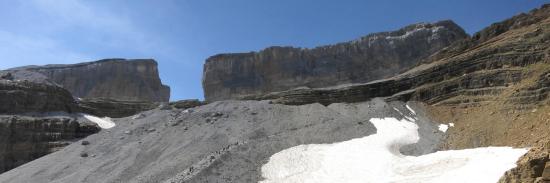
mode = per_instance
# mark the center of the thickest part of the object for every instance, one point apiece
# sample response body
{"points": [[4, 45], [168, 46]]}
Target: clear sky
{"points": [[181, 34]]}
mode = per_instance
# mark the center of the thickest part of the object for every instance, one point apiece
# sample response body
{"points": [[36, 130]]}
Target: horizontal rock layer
{"points": [[375, 56], [184, 104], [25, 96], [25, 138], [114, 108]]}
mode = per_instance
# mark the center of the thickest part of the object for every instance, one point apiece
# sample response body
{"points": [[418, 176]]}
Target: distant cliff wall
{"points": [[119, 79], [375, 56]]}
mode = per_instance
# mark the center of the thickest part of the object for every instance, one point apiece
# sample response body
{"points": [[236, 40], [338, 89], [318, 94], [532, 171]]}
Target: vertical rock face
{"points": [[24, 138], [119, 79], [375, 56]]}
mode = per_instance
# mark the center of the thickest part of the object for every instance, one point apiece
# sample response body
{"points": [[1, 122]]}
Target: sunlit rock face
{"points": [[375, 56], [120, 79]]}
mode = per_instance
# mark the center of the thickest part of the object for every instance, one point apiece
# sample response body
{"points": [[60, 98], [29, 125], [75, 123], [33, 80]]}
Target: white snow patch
{"points": [[443, 127], [376, 158], [410, 109], [398, 111], [104, 123], [409, 118]]}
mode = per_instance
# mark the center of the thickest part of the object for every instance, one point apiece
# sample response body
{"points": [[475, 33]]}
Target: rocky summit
{"points": [[422, 104], [372, 57]]}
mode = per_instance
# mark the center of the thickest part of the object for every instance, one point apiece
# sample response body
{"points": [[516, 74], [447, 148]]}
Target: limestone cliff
{"points": [[119, 79], [375, 56]]}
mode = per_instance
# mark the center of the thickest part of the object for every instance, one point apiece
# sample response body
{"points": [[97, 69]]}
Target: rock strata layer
{"points": [[473, 76], [114, 108], [25, 96], [375, 56], [25, 138]]}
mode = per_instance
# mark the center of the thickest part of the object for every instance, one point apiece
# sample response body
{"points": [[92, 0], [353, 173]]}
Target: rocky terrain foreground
{"points": [[460, 95], [224, 141]]}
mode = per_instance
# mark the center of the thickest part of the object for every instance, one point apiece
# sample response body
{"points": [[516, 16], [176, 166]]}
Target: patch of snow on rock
{"points": [[443, 127], [104, 123], [410, 109], [376, 158], [398, 111]]}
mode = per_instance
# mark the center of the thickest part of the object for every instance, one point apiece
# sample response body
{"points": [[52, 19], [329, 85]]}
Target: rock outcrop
{"points": [[532, 167], [185, 104], [26, 96], [119, 79], [375, 56], [35, 120], [25, 138]]}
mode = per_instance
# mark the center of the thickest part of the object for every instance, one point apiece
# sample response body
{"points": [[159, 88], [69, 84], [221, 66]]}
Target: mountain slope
{"points": [[225, 141]]}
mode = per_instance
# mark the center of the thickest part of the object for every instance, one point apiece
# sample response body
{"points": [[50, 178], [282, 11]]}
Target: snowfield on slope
{"points": [[376, 158], [104, 123]]}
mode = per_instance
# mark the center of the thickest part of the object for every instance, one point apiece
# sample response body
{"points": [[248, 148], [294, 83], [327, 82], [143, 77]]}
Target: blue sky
{"points": [[181, 34]]}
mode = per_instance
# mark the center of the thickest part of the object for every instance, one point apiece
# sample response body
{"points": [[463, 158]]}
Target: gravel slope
{"points": [[224, 141]]}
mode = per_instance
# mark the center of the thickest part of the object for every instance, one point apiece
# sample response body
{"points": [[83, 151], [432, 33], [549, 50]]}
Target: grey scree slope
{"points": [[225, 141]]}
